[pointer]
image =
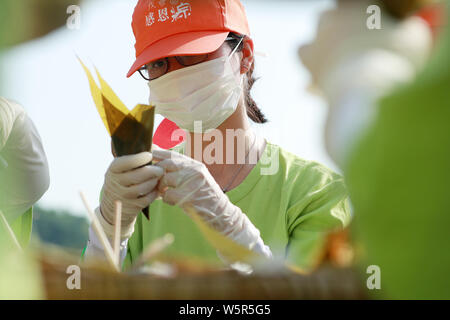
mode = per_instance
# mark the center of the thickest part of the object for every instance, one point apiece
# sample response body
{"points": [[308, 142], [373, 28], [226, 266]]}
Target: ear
{"points": [[247, 55]]}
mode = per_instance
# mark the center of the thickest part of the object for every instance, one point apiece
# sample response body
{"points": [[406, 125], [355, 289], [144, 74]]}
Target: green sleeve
{"points": [[319, 206], [398, 176], [22, 227]]}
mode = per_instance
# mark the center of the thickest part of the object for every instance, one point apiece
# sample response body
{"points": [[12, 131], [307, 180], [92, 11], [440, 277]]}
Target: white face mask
{"points": [[208, 92]]}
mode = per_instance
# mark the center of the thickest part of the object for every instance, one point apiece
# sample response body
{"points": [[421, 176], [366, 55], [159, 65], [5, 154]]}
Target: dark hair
{"points": [[253, 112]]}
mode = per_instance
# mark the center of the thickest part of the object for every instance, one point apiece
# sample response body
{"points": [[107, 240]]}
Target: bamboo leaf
{"points": [[227, 247]]}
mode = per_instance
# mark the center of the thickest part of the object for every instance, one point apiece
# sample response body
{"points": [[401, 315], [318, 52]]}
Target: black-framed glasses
{"points": [[158, 68]]}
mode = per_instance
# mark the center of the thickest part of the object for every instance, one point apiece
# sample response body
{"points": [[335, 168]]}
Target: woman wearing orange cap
{"points": [[197, 57]]}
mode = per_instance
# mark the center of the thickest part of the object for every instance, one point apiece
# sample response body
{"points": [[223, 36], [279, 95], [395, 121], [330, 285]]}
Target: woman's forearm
{"points": [[94, 248]]}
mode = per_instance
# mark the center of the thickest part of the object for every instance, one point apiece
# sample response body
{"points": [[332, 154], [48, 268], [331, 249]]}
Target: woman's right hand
{"points": [[132, 181]]}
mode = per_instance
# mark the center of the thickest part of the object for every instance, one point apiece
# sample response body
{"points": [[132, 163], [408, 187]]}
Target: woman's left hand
{"points": [[187, 182]]}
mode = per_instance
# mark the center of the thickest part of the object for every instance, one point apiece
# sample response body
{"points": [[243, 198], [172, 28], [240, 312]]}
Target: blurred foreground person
{"points": [[352, 65], [24, 178], [24, 175], [404, 159], [395, 152]]}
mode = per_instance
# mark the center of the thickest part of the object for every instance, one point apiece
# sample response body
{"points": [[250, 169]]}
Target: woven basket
{"points": [[193, 281]]}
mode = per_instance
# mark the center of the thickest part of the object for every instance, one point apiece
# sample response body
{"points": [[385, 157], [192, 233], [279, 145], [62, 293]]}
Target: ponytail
{"points": [[253, 111]]}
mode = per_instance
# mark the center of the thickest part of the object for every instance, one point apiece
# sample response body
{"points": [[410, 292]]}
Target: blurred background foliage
{"points": [[60, 227]]}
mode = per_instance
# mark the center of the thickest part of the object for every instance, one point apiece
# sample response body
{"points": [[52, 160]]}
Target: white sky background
{"points": [[46, 78]]}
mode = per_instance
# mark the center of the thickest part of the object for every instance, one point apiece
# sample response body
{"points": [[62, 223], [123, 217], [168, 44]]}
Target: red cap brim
{"points": [[183, 44]]}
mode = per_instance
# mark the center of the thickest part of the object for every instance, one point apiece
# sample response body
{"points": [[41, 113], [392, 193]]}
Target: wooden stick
{"points": [[117, 225], [10, 231], [154, 249], [100, 234]]}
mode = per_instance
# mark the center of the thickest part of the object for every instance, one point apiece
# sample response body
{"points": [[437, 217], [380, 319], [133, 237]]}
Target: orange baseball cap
{"points": [[165, 28]]}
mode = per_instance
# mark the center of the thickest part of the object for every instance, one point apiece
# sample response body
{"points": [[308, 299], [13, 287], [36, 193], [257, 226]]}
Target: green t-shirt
{"points": [[294, 210]]}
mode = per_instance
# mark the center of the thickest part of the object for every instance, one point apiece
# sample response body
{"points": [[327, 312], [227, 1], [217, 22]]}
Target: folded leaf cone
{"points": [[131, 131]]}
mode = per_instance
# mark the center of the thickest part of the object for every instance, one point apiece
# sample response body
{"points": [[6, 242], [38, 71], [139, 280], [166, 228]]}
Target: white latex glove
{"points": [[24, 175], [187, 182], [130, 180]]}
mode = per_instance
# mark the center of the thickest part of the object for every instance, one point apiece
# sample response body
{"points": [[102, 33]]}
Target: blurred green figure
{"points": [[398, 176], [394, 151], [24, 178]]}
